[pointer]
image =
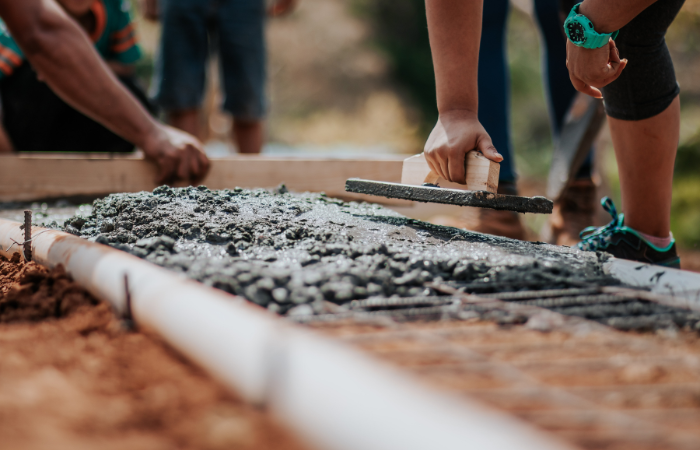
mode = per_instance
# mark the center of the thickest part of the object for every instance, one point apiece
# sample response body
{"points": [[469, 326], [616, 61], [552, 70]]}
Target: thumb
{"points": [[486, 147], [614, 56], [619, 68]]}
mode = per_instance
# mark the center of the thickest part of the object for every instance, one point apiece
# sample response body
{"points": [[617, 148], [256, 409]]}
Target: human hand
{"points": [[593, 68], [178, 155], [281, 7], [455, 134], [150, 9]]}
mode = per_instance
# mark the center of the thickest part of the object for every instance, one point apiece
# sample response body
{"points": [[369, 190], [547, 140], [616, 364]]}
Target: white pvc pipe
{"points": [[333, 396]]}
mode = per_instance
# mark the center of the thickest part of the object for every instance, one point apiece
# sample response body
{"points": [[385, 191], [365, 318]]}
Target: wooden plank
{"points": [[582, 125], [482, 173], [33, 177]]}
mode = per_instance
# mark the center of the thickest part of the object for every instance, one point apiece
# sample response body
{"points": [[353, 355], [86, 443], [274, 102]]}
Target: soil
{"points": [[73, 376], [29, 292]]}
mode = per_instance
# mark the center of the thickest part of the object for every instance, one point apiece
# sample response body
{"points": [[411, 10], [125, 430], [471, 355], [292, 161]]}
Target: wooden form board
{"points": [[33, 177], [482, 173]]}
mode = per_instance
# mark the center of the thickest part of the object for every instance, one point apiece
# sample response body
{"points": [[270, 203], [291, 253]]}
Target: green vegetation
{"points": [[685, 209], [401, 32]]}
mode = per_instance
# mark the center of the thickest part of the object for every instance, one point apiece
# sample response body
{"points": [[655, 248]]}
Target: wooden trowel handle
{"points": [[432, 178], [482, 173]]}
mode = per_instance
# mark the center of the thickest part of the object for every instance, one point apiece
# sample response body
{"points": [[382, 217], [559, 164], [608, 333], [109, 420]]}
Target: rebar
{"points": [[527, 295], [381, 302], [28, 235]]}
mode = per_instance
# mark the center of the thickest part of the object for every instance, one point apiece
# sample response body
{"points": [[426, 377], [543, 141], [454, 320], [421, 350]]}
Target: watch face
{"points": [[576, 32]]}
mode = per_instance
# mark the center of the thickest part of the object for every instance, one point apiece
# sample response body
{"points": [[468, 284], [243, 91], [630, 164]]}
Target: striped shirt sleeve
{"points": [[11, 56], [123, 43]]}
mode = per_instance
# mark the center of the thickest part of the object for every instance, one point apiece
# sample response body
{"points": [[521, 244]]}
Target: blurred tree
{"points": [[401, 32]]}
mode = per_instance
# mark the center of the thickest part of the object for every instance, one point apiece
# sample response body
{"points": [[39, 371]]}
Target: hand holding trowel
{"points": [[420, 183]]}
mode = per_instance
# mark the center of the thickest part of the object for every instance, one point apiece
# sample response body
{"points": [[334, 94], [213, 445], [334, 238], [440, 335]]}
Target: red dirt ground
{"points": [[72, 376]]}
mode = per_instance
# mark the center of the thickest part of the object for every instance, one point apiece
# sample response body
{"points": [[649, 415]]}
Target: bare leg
{"points": [[248, 136], [186, 120], [646, 152]]}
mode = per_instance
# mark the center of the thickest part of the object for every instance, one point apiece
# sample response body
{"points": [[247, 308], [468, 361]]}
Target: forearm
{"points": [[609, 16], [66, 60], [454, 27], [121, 70]]}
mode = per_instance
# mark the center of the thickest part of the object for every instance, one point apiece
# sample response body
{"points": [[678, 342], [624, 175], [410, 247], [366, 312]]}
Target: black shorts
{"points": [[648, 85], [37, 120]]}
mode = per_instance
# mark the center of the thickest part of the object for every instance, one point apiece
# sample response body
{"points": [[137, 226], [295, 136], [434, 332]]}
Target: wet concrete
{"points": [[297, 252], [434, 194], [300, 254]]}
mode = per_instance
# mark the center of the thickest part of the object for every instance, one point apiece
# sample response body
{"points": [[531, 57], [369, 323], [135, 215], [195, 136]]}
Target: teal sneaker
{"points": [[625, 243]]}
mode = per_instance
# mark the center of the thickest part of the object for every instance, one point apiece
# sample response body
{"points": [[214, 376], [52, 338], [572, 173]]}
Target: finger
{"points": [[614, 53], [444, 169], [433, 160], [204, 163], [202, 166], [194, 166], [620, 67], [183, 166], [430, 159], [613, 60], [584, 88], [456, 168], [165, 171], [486, 147]]}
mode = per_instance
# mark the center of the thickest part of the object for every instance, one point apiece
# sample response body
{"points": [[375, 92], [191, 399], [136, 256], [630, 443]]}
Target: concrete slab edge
{"points": [[672, 286]]}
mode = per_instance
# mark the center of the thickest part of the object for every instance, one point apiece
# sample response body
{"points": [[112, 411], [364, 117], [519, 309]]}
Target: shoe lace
{"points": [[595, 238]]}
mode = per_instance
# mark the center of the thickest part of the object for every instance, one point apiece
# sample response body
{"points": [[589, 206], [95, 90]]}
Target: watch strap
{"points": [[593, 38]]}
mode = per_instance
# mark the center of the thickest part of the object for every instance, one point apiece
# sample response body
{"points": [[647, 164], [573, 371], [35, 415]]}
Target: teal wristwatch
{"points": [[579, 29]]}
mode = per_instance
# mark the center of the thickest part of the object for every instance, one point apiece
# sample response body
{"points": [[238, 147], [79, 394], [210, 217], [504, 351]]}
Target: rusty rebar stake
{"points": [[128, 317], [28, 235]]}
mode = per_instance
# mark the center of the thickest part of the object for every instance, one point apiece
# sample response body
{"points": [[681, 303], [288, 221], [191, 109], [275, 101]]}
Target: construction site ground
{"points": [[529, 329], [74, 376]]}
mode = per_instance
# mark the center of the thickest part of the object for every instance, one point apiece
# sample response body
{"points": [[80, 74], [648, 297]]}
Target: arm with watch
{"points": [[591, 27], [454, 28]]}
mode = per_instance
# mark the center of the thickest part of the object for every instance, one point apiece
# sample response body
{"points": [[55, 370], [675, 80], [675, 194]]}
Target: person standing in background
{"points": [[192, 31]]}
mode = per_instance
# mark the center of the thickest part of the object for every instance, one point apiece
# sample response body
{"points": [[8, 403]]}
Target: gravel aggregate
{"points": [[295, 253]]}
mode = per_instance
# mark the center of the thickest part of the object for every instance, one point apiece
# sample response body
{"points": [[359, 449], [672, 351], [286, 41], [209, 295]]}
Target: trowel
{"points": [[581, 126], [419, 183]]}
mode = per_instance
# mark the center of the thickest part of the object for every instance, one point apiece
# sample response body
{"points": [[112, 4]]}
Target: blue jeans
{"points": [[192, 30], [494, 85]]}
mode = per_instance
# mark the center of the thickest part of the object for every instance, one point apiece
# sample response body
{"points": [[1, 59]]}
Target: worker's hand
{"points": [[150, 9], [592, 69], [178, 156], [455, 134], [281, 7]]}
